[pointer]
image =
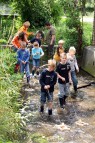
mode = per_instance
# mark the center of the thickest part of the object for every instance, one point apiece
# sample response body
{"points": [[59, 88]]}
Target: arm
{"points": [[52, 39], [42, 53], [69, 74], [28, 55], [33, 53], [54, 81], [42, 78], [18, 56], [62, 78], [76, 65]]}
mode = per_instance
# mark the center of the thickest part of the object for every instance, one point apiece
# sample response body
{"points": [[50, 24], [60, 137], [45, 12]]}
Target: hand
{"points": [[45, 87], [63, 79], [70, 81]]}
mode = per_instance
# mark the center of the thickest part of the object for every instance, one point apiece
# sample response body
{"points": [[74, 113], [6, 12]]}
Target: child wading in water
{"points": [[37, 53], [71, 58], [64, 77], [23, 57], [48, 79]]}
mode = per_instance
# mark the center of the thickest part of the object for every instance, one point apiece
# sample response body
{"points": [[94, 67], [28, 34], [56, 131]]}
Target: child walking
{"points": [[37, 53], [74, 66], [64, 77], [48, 79], [23, 57]]}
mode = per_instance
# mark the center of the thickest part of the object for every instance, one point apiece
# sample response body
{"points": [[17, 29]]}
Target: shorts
{"points": [[36, 62], [46, 96]]}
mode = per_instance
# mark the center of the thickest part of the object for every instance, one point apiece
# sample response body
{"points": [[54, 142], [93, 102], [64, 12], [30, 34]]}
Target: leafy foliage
{"points": [[38, 11], [10, 129]]}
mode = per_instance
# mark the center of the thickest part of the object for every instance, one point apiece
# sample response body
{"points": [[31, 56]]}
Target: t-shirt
{"points": [[37, 52], [63, 70], [48, 78], [49, 35]]}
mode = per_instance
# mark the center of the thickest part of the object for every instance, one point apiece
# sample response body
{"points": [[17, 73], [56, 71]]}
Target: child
{"points": [[24, 29], [74, 66], [64, 77], [37, 53], [59, 50], [48, 79], [23, 58]]}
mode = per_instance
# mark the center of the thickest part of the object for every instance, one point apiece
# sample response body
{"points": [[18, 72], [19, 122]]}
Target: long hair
{"points": [[21, 36], [58, 51]]}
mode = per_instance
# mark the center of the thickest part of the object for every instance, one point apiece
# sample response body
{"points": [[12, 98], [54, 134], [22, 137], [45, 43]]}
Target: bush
{"points": [[10, 83]]}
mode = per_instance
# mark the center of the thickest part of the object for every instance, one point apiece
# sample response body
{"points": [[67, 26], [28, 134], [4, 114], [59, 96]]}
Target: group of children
{"points": [[63, 67]]}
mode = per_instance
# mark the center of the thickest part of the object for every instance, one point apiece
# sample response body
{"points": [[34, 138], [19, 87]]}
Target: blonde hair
{"points": [[52, 63], [61, 42], [72, 48], [62, 55], [27, 24]]}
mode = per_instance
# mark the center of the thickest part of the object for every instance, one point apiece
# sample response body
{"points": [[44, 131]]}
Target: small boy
{"points": [[64, 77], [37, 53], [71, 58], [48, 79], [23, 57]]}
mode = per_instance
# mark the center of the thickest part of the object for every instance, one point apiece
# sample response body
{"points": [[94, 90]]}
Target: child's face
{"points": [[60, 45], [51, 68], [36, 45], [63, 59], [23, 47], [72, 52]]}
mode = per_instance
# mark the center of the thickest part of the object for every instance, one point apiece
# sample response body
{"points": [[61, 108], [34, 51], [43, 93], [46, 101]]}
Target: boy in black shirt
{"points": [[48, 79], [64, 77]]}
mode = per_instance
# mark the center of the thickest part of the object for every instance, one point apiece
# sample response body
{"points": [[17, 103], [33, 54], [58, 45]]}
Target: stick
{"points": [[89, 84]]}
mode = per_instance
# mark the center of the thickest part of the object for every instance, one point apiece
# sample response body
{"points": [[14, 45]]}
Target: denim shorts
{"points": [[36, 62], [46, 96]]}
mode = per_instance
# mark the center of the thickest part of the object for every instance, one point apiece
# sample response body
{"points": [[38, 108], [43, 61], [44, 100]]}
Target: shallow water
{"points": [[74, 124]]}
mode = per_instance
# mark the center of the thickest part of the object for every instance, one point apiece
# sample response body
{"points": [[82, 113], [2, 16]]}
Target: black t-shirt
{"points": [[48, 78], [63, 70]]}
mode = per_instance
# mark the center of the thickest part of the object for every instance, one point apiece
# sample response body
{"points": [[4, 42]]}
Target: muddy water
{"points": [[74, 124]]}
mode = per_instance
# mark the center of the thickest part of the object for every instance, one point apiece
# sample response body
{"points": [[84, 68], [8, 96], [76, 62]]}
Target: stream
{"points": [[74, 124]]}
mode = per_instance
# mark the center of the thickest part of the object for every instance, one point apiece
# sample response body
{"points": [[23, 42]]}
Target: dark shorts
{"points": [[46, 96]]}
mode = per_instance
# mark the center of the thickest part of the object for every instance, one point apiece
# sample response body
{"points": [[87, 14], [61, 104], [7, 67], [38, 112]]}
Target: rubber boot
{"points": [[61, 102], [75, 88], [64, 100], [28, 79], [49, 112], [41, 108]]}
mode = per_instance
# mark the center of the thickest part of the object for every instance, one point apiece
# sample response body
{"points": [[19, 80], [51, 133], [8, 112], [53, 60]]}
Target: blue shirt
{"points": [[37, 52], [23, 55]]}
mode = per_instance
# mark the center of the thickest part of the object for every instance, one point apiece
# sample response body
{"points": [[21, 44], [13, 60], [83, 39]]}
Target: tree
{"points": [[37, 12], [73, 32]]}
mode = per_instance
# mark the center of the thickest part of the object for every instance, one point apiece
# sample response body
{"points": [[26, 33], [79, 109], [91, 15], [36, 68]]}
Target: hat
{"points": [[60, 42], [27, 23]]}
